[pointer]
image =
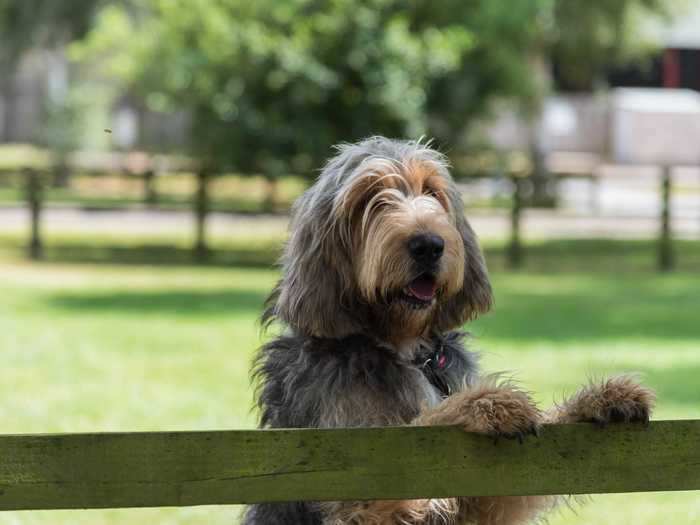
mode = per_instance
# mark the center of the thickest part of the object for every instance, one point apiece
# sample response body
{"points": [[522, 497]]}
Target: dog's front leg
{"points": [[620, 399], [391, 512], [498, 410]]}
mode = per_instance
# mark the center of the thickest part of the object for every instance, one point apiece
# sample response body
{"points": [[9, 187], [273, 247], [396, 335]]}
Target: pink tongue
{"points": [[423, 288]]}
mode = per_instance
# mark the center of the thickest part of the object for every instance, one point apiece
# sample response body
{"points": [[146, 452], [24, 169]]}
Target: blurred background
{"points": [[150, 151]]}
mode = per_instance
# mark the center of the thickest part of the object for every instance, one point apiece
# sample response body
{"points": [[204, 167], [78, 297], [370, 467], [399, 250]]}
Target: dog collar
{"points": [[434, 366]]}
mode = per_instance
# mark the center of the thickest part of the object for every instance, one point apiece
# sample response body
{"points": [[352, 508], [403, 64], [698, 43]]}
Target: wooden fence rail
{"points": [[515, 253], [245, 466], [138, 164]]}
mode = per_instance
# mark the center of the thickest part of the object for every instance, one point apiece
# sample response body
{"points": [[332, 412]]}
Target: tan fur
{"points": [[348, 251], [489, 408], [618, 399], [497, 409], [507, 510], [388, 204], [399, 512]]}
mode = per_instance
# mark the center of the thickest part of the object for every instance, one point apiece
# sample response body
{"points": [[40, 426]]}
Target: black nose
{"points": [[426, 248]]}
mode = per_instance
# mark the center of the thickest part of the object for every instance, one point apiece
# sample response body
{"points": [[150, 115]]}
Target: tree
{"points": [[586, 38], [35, 24], [582, 40], [271, 85], [40, 23]]}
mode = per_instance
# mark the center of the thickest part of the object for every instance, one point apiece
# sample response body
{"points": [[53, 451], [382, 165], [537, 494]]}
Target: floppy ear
{"points": [[475, 297], [313, 296]]}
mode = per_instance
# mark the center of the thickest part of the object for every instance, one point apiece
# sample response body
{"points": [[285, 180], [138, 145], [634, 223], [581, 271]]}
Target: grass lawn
{"points": [[100, 347]]}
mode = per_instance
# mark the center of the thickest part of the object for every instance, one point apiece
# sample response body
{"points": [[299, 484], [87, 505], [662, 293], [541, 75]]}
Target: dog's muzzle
{"points": [[426, 250]]}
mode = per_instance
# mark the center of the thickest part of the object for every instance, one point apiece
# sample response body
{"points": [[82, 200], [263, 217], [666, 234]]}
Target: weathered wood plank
{"points": [[200, 468]]}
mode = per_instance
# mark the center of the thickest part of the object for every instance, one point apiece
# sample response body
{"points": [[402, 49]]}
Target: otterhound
{"points": [[380, 272]]}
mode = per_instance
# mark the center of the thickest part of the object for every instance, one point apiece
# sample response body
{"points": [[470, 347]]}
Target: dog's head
{"points": [[380, 245]]}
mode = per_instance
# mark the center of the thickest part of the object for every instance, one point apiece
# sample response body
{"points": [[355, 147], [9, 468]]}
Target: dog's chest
{"points": [[309, 382], [367, 401], [385, 388]]}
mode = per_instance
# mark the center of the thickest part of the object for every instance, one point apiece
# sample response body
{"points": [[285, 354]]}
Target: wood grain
{"points": [[244, 466]]}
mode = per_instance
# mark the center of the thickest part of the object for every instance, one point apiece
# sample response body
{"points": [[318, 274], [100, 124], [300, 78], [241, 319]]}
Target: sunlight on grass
{"points": [[110, 347]]}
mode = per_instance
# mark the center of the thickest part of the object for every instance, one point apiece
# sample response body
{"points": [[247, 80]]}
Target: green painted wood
{"points": [[200, 468]]}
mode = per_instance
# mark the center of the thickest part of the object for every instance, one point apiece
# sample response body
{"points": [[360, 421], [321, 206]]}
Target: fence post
{"points": [[201, 210], [665, 255], [150, 196], [514, 251], [34, 201]]}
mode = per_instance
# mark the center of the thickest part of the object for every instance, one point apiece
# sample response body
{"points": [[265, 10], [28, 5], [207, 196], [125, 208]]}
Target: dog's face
{"points": [[407, 254], [380, 246]]}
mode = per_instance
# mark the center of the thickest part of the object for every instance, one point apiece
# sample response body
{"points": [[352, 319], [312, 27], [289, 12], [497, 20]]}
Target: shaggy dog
{"points": [[380, 272]]}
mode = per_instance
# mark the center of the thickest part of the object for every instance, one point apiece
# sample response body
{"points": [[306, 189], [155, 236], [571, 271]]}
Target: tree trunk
{"points": [[543, 194], [7, 115]]}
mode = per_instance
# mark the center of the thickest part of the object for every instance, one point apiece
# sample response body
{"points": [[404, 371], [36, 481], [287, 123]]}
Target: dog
{"points": [[380, 272]]}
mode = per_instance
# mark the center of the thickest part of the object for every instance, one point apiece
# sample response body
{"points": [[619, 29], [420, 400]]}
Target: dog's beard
{"points": [[404, 322], [406, 307]]}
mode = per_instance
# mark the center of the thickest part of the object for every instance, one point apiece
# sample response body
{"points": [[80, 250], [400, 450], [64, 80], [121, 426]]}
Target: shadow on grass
{"points": [[562, 309], [181, 302], [553, 256], [594, 255]]}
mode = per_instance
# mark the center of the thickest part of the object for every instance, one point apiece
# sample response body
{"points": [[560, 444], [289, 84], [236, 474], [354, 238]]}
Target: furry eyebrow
{"points": [[385, 196]]}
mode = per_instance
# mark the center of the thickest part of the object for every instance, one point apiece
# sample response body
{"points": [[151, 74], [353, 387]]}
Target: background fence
{"points": [[38, 176]]}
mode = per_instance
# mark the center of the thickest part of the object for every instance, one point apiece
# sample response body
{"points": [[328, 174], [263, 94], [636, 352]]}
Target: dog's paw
{"points": [[503, 411], [620, 399], [498, 410]]}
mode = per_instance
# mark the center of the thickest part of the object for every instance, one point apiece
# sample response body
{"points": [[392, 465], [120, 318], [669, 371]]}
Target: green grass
{"points": [[93, 346]]}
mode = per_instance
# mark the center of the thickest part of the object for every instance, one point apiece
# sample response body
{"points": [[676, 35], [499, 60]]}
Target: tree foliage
{"points": [[270, 85], [586, 37], [27, 24]]}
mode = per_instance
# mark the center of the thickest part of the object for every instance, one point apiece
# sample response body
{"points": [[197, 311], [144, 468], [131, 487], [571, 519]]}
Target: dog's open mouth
{"points": [[420, 292]]}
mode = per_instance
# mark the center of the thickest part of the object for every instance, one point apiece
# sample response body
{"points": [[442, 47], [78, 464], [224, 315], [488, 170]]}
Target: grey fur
{"points": [[340, 362], [356, 381], [334, 366], [317, 294]]}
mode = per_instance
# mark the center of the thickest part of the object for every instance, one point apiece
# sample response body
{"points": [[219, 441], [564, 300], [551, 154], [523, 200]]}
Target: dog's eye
{"points": [[437, 195], [431, 192]]}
